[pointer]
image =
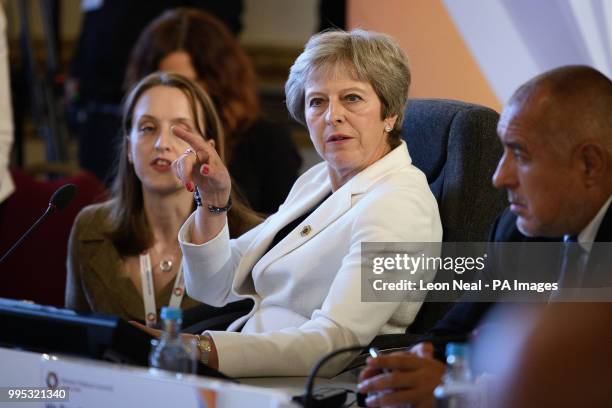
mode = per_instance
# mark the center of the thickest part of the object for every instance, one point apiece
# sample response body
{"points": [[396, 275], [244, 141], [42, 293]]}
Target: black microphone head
{"points": [[62, 196]]}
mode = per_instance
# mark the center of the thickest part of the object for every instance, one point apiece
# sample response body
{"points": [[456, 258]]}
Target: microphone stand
{"points": [[48, 212]]}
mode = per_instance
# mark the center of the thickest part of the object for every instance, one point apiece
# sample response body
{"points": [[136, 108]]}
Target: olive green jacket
{"points": [[94, 280]]}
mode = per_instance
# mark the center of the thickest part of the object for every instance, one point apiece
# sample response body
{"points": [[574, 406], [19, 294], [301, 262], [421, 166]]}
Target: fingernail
{"points": [[189, 187], [204, 169], [361, 386], [371, 400]]}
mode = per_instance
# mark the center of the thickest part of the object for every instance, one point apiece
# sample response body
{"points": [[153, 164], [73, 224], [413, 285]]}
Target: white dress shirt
{"points": [[589, 233]]}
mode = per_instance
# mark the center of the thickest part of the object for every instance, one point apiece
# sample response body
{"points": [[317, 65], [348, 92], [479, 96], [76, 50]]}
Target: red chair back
{"points": [[37, 270]]}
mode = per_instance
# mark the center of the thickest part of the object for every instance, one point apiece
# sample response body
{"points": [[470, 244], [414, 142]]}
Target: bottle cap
{"points": [[171, 313], [457, 350]]}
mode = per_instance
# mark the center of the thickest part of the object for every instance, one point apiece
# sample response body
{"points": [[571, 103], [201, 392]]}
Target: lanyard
{"points": [[148, 292]]}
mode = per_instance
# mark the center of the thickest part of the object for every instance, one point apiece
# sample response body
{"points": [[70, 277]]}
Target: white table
{"points": [[95, 384]]}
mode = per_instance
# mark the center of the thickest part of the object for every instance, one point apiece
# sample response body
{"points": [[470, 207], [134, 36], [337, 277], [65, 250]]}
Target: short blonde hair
{"points": [[372, 57]]}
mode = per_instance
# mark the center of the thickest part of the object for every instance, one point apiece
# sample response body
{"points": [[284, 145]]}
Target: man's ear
{"points": [[592, 156]]}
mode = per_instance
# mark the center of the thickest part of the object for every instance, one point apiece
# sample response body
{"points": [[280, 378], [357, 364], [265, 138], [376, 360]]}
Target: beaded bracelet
{"points": [[215, 210]]}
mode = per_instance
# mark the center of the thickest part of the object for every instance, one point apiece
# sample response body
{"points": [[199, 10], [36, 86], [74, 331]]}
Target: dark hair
{"points": [[575, 100], [130, 230], [217, 57]]}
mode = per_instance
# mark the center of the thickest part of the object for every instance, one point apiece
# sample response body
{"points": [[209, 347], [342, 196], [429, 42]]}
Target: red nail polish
{"points": [[205, 169], [189, 187]]}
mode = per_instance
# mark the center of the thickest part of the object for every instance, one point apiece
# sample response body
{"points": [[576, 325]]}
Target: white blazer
{"points": [[306, 289]]}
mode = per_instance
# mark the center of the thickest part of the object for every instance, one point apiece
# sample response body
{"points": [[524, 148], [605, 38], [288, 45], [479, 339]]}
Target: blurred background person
{"points": [[95, 86], [563, 361], [193, 43], [119, 247]]}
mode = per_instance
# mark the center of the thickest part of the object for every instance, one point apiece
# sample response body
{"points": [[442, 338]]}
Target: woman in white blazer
{"points": [[301, 267]]}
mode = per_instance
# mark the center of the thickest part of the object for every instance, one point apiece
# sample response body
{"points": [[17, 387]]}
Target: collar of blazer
{"points": [[604, 233], [102, 255], [95, 223], [313, 190], [600, 258]]}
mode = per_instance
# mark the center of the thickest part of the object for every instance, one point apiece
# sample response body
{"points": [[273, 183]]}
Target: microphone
{"points": [[59, 200]]}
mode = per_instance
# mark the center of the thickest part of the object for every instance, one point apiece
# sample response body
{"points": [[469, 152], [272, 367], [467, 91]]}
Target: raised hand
{"points": [[200, 166]]}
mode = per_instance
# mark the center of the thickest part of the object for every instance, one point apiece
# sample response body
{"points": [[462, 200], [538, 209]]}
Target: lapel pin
{"points": [[306, 230]]}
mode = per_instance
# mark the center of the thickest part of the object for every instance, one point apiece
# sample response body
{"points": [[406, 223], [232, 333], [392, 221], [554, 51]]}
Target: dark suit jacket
{"points": [[465, 316]]}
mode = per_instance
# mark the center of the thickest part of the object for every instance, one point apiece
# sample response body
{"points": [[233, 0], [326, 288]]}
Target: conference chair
{"points": [[455, 144]]}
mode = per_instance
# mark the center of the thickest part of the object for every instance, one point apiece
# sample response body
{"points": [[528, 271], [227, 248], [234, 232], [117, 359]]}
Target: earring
{"points": [[388, 128]]}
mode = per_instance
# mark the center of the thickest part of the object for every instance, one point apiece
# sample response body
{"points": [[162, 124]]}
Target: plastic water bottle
{"points": [[457, 389], [171, 353]]}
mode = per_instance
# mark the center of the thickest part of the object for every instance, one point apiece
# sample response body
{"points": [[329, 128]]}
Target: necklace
{"points": [[166, 263]]}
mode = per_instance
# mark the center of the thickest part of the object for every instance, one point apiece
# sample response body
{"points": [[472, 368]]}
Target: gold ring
{"points": [[190, 150]]}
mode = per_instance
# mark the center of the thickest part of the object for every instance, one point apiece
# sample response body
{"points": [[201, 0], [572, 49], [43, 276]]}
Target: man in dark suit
{"points": [[557, 169]]}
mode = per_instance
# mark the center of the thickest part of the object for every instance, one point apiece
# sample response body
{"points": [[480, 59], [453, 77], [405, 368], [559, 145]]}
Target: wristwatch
{"points": [[204, 345]]}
